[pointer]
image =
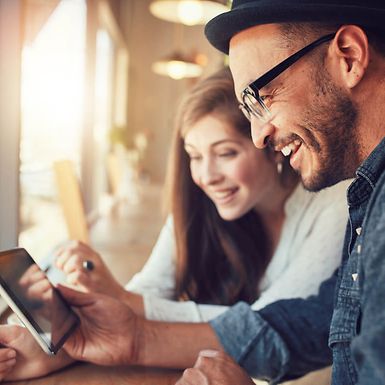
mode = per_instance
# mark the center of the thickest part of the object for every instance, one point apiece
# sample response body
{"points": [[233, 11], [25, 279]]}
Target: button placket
{"points": [[359, 249]]}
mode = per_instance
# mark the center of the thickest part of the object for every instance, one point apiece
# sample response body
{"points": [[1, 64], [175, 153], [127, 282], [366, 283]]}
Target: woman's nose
{"points": [[261, 132], [210, 174]]}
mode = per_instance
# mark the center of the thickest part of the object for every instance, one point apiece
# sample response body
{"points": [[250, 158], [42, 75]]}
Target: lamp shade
{"points": [[188, 12], [177, 66]]}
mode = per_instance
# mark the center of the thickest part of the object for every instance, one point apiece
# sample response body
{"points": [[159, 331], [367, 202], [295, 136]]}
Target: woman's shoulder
{"points": [[303, 204], [332, 196]]}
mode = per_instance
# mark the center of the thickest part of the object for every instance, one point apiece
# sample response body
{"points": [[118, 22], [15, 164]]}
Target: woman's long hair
{"points": [[217, 261]]}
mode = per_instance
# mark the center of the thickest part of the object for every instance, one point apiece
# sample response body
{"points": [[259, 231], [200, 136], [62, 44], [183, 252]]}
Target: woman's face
{"points": [[228, 168]]}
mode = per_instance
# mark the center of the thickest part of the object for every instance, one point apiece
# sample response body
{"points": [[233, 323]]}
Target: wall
{"points": [[10, 64], [152, 98]]}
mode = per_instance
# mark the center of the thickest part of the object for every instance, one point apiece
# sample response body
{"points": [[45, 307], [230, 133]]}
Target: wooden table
{"points": [[87, 374]]}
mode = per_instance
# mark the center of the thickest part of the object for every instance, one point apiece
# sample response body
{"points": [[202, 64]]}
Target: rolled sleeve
{"points": [[252, 342]]}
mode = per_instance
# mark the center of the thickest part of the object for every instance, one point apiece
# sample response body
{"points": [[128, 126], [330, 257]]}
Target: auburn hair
{"points": [[217, 261]]}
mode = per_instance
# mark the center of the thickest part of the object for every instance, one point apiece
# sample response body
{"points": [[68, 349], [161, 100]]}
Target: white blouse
{"points": [[308, 252]]}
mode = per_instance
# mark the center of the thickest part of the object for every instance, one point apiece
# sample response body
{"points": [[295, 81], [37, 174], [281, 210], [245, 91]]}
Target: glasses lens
{"points": [[245, 111], [255, 105]]}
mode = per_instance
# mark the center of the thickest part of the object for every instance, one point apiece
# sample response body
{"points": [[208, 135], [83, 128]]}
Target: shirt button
{"points": [[359, 249], [355, 277], [358, 230]]}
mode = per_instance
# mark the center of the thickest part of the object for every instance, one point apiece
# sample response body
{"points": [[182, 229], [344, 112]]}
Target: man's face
{"points": [[313, 120]]}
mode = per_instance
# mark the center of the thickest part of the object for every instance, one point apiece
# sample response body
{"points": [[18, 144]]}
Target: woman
{"points": [[241, 228]]}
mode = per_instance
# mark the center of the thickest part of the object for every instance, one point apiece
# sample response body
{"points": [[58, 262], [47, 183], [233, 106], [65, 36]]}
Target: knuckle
{"points": [[187, 373], [74, 278], [77, 260], [203, 361], [77, 274]]}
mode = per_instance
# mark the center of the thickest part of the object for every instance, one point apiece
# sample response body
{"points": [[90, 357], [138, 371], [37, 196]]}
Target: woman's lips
{"points": [[224, 196]]}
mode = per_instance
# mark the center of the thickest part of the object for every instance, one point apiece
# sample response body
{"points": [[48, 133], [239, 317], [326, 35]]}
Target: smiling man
{"points": [[310, 77], [299, 108]]}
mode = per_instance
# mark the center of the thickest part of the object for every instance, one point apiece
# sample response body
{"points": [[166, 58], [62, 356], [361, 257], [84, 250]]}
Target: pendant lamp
{"points": [[177, 66], [188, 12]]}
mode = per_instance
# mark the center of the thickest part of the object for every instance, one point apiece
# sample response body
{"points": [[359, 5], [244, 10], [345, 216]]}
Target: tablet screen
{"points": [[28, 287]]}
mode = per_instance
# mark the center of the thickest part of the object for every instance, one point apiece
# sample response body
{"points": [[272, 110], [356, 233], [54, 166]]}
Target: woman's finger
{"points": [[32, 274], [73, 263], [40, 290], [80, 278]]}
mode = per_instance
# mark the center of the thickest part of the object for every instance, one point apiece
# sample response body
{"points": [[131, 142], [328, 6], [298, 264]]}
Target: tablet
{"points": [[29, 293]]}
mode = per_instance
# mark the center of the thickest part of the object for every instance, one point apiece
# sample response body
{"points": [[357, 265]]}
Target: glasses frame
{"points": [[250, 95]]}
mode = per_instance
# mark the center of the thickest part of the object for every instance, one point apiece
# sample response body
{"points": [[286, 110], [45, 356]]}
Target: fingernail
{"points": [[208, 353]]}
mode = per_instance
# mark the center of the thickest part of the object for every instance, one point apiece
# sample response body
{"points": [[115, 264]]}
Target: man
{"points": [[323, 107]]}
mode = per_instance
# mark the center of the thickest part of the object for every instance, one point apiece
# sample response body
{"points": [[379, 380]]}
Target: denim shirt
{"points": [[344, 323]]}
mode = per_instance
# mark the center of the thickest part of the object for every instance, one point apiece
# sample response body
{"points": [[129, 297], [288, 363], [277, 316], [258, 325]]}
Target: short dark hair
{"points": [[294, 34]]}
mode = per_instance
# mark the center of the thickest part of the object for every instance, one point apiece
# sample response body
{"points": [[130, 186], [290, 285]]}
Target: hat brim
{"points": [[223, 27]]}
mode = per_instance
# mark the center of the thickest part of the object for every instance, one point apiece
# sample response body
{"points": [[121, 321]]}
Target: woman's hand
{"points": [[7, 362], [22, 358], [215, 368], [70, 259]]}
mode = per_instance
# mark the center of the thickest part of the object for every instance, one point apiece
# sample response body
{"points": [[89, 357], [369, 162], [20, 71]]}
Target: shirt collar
{"points": [[367, 176]]}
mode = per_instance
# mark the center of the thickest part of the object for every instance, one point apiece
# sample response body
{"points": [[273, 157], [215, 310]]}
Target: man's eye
{"points": [[266, 98]]}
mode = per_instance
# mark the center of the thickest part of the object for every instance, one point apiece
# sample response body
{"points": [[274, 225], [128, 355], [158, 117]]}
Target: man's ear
{"points": [[351, 50]]}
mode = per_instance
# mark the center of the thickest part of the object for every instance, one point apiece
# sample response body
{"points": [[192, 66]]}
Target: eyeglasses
{"points": [[252, 103]]}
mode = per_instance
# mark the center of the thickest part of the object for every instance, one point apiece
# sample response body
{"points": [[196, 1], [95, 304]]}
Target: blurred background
{"points": [[89, 89]]}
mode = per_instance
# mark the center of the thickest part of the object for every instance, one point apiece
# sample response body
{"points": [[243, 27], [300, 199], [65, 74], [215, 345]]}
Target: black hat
{"points": [[248, 13]]}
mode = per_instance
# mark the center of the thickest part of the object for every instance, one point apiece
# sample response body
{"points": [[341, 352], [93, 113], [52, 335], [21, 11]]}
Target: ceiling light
{"points": [[188, 12], [177, 66]]}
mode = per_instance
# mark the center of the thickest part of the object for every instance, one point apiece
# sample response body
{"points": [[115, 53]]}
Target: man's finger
{"points": [[209, 353], [74, 297]]}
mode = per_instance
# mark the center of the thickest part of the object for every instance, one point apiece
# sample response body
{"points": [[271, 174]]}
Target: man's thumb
{"points": [[74, 297]]}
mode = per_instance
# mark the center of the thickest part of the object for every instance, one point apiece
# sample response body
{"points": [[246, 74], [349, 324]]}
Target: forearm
{"points": [[284, 340], [303, 326], [173, 345]]}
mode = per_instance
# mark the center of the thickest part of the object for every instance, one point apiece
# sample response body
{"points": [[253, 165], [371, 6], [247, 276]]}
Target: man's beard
{"points": [[333, 117]]}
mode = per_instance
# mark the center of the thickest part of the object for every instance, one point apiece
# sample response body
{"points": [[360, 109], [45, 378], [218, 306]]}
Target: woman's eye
{"points": [[227, 154], [194, 157]]}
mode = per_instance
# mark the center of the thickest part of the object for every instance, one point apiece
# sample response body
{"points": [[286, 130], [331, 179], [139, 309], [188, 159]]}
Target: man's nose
{"points": [[261, 132]]}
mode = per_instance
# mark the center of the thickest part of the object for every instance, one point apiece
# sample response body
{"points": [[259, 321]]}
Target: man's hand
{"points": [[107, 331], [23, 358], [215, 368]]}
